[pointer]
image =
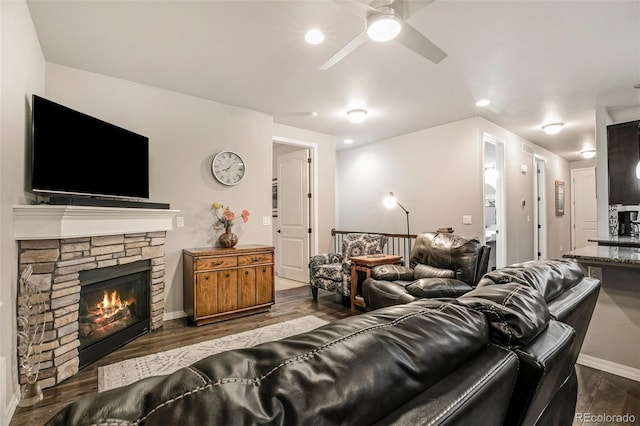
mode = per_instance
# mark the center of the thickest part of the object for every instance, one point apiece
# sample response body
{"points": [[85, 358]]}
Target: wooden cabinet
{"points": [[623, 150], [222, 283]]}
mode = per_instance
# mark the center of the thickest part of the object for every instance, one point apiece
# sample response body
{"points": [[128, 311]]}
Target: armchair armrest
{"points": [[392, 273], [324, 259]]}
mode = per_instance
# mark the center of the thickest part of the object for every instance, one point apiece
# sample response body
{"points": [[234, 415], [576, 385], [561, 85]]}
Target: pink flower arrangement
{"points": [[225, 217]]}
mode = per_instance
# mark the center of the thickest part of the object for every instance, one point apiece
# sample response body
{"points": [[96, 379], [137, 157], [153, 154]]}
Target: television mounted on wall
{"points": [[77, 154]]}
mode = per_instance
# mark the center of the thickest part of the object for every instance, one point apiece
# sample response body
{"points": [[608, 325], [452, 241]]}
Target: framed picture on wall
{"points": [[274, 198], [559, 198]]}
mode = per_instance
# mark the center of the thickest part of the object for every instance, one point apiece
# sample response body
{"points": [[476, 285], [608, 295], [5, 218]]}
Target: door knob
{"points": [[278, 231]]}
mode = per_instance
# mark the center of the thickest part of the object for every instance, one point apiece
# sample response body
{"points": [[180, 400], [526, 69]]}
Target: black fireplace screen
{"points": [[114, 308]]}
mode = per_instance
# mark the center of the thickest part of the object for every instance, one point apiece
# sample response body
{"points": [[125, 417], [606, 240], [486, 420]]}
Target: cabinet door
{"points": [[227, 290], [264, 284], [246, 287], [623, 149], [206, 298]]}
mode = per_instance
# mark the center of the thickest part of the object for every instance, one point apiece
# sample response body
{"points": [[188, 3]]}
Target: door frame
{"points": [[501, 212], [313, 208], [540, 205]]}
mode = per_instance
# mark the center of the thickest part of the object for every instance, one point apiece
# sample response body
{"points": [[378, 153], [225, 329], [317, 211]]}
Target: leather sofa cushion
{"points": [[447, 251], [353, 371], [427, 271], [549, 277], [392, 273], [438, 287], [516, 313]]}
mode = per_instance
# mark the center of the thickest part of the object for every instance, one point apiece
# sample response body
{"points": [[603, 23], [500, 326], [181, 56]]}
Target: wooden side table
{"points": [[364, 264]]}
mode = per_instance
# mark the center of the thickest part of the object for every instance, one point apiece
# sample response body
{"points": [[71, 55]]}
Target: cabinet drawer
{"points": [[255, 259], [207, 264]]}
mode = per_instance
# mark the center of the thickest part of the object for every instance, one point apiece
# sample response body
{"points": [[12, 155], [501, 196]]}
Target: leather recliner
{"points": [[441, 265]]}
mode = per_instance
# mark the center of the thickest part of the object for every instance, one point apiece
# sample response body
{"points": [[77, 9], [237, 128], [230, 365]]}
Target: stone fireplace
{"points": [[65, 261]]}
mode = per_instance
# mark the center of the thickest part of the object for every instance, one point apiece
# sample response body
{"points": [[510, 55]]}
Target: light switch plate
{"points": [[466, 219], [266, 221], [180, 222]]}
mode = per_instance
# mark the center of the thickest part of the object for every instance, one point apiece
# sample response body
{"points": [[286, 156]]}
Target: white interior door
{"points": [[584, 213], [293, 214]]}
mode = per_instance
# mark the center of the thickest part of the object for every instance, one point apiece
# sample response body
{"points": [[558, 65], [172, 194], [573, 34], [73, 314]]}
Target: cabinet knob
{"points": [[246, 272]]}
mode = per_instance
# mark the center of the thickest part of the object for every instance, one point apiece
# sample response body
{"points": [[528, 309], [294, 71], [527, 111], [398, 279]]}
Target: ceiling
{"points": [[537, 61]]}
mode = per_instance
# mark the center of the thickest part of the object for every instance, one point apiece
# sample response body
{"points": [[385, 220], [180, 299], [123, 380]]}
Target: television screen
{"points": [[74, 153]]}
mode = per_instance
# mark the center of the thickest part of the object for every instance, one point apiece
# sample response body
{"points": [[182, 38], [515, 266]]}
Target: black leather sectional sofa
{"points": [[504, 353]]}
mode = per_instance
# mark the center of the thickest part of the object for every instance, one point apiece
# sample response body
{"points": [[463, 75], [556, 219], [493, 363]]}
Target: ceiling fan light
{"points": [[588, 153], [552, 128], [384, 27], [357, 115]]}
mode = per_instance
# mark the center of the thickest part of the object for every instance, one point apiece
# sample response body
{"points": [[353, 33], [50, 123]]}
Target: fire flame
{"points": [[111, 304]]}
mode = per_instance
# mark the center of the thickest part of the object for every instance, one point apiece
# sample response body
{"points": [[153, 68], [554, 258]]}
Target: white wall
{"points": [[436, 174], [184, 133], [22, 73], [323, 182]]}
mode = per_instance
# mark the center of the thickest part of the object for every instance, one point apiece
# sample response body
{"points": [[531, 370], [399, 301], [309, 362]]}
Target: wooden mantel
{"points": [[43, 222]]}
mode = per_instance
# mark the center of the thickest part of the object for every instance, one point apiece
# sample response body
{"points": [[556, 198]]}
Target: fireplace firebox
{"points": [[114, 308]]}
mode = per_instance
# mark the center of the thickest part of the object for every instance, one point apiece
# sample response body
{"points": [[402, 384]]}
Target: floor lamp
{"points": [[391, 201]]}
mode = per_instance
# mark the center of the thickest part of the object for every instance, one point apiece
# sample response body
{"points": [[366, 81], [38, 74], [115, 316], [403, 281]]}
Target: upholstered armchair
{"points": [[441, 265], [332, 271]]}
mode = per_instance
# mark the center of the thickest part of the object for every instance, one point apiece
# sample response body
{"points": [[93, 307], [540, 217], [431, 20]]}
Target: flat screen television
{"points": [[74, 153]]}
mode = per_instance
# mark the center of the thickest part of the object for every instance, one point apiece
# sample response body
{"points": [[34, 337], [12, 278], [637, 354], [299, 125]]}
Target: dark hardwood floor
{"points": [[598, 392]]}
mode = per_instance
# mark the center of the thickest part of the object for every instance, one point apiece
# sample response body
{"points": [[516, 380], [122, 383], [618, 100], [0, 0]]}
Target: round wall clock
{"points": [[228, 168]]}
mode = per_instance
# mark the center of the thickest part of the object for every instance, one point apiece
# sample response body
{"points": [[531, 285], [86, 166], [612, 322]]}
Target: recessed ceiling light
{"points": [[314, 36], [358, 115], [314, 114], [483, 103], [348, 141], [588, 153], [384, 26], [552, 128]]}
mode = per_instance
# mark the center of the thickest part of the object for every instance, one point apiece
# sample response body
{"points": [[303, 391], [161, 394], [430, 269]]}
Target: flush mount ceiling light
{"points": [[357, 115], [588, 153], [314, 36], [384, 26], [552, 128], [483, 103], [348, 141]]}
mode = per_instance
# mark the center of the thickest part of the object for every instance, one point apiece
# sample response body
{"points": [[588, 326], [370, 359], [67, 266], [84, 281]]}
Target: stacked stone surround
{"points": [[56, 267]]}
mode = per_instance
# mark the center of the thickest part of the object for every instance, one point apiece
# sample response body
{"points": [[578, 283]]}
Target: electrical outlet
{"points": [[466, 219], [595, 272]]}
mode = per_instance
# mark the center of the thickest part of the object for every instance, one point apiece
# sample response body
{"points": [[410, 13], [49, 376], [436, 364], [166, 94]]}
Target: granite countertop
{"points": [[617, 241], [609, 254]]}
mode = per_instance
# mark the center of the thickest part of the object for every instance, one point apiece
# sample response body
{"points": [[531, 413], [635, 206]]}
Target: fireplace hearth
{"points": [[113, 308]]}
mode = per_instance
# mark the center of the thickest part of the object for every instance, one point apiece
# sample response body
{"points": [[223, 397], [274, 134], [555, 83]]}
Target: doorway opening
{"points": [[540, 210], [294, 214], [493, 200]]}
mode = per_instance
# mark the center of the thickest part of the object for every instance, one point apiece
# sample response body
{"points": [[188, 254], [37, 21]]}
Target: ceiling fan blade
{"points": [[408, 8], [350, 47], [412, 39]]}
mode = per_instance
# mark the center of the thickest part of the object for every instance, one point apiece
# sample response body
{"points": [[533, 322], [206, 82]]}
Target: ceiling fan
{"points": [[384, 21]]}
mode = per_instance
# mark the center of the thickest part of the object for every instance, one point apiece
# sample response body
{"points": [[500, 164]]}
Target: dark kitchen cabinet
{"points": [[623, 148]]}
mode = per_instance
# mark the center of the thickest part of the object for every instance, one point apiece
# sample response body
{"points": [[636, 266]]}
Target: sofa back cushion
{"points": [[449, 251], [516, 313], [550, 277]]}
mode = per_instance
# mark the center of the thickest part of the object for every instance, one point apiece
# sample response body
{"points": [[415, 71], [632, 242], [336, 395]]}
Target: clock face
{"points": [[228, 168]]}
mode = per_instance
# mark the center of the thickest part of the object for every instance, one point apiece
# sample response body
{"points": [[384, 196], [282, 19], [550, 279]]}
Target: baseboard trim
{"points": [[609, 367], [11, 408], [168, 316]]}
